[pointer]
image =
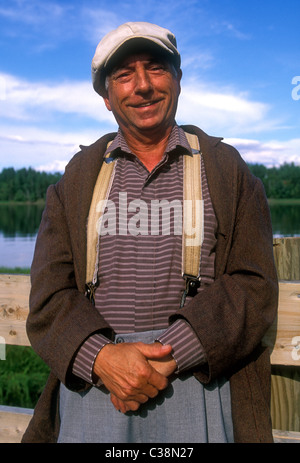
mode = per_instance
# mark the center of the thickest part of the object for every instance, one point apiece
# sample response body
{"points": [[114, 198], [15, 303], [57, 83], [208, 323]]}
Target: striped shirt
{"points": [[140, 261]]}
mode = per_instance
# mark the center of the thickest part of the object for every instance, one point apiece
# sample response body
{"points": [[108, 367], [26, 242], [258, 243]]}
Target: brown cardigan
{"points": [[230, 316]]}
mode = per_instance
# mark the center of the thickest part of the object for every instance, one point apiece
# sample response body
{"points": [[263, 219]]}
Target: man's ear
{"points": [[179, 77], [107, 103]]}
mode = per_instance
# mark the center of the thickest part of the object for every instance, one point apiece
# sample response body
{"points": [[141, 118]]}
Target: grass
{"points": [[23, 376]]}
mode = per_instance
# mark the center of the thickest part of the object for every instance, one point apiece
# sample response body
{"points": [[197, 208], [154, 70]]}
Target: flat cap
{"points": [[131, 37]]}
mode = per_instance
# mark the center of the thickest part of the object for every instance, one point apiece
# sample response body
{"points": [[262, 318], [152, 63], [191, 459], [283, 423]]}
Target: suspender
{"points": [[192, 220], [193, 216], [100, 196]]}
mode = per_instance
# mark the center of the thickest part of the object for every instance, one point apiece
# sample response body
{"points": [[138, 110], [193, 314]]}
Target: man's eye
{"points": [[157, 67], [122, 75]]}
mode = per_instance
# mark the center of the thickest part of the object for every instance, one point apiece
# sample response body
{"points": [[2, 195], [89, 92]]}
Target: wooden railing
{"points": [[283, 340]]}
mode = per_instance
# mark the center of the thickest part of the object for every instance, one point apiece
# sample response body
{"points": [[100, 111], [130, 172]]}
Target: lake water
{"points": [[19, 225]]}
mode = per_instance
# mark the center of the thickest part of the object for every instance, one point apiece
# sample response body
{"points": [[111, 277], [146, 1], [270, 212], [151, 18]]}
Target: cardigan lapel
{"points": [[79, 195]]}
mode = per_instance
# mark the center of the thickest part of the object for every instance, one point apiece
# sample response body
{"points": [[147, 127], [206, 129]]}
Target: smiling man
{"points": [[144, 350]]}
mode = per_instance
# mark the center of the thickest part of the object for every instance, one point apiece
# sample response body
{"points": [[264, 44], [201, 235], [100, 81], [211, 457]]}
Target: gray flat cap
{"points": [[131, 37]]}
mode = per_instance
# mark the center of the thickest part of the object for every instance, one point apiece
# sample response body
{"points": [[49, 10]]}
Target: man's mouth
{"points": [[145, 105]]}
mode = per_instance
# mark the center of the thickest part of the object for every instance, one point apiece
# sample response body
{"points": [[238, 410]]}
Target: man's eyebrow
{"points": [[128, 65], [119, 68]]}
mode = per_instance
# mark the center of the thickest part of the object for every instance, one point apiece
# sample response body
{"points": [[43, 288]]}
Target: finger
{"points": [[150, 383], [124, 406], [150, 391], [118, 404], [156, 350], [157, 380], [140, 396]]}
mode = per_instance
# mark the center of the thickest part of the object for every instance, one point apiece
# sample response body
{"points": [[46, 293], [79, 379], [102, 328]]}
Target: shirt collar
{"points": [[176, 140]]}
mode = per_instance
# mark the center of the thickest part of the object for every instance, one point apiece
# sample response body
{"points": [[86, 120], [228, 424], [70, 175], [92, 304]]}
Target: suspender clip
{"points": [[191, 287], [90, 292]]}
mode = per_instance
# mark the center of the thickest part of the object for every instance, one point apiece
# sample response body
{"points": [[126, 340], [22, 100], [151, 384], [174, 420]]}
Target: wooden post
{"points": [[285, 406], [13, 423], [287, 258], [14, 290]]}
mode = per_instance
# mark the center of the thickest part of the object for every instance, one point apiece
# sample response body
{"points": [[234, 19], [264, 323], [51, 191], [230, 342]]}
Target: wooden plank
{"points": [[14, 307], [13, 423], [286, 437], [285, 410], [283, 337], [285, 389], [287, 258]]}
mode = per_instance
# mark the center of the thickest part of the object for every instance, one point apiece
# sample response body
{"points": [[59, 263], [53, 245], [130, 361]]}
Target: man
{"points": [[144, 359]]}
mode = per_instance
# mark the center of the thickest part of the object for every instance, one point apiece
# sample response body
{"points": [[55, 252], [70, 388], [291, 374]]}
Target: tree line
{"points": [[280, 182], [25, 185], [29, 185]]}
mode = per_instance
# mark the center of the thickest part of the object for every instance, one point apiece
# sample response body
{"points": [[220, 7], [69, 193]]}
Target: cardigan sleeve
{"points": [[61, 317], [231, 315]]}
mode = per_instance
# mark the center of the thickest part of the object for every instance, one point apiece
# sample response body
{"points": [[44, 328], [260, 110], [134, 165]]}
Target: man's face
{"points": [[142, 94]]}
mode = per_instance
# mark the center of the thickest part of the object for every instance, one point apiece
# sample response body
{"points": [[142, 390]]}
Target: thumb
{"points": [[156, 350]]}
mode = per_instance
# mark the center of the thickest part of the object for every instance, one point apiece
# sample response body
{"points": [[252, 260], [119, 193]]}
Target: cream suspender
{"points": [[100, 196], [192, 220], [193, 216]]}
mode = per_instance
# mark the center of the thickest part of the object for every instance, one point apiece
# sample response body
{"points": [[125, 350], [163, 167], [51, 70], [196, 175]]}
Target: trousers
{"points": [[185, 412]]}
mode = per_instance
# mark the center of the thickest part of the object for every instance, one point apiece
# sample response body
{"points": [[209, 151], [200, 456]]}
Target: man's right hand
{"points": [[125, 371]]}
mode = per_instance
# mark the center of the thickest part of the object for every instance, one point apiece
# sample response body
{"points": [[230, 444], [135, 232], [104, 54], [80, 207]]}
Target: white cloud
{"points": [[221, 111], [55, 166], [51, 151], [37, 100], [97, 22], [40, 148], [32, 12], [54, 22], [228, 28], [29, 135], [270, 153]]}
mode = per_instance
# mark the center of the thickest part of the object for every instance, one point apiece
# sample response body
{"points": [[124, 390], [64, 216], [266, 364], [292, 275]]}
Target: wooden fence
{"points": [[283, 340]]}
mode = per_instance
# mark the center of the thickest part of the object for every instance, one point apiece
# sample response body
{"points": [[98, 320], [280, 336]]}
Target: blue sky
{"points": [[240, 62]]}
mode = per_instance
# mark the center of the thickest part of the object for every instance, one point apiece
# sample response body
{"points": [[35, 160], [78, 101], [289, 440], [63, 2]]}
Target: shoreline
{"points": [[14, 270], [284, 201], [41, 202]]}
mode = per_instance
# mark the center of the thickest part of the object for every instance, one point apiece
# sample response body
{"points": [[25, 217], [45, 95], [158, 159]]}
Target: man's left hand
{"points": [[165, 366]]}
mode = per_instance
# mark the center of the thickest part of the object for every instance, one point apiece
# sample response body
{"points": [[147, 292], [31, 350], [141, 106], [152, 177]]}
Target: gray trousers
{"points": [[185, 412]]}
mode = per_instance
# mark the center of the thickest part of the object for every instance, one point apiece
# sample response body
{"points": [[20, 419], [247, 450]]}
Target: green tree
{"points": [[279, 182], [25, 184]]}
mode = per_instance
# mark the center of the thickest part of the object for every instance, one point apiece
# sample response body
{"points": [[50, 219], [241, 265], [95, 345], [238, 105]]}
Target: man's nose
{"points": [[143, 81]]}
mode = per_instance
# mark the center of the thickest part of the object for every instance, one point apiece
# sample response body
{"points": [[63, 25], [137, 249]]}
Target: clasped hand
{"points": [[134, 372]]}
